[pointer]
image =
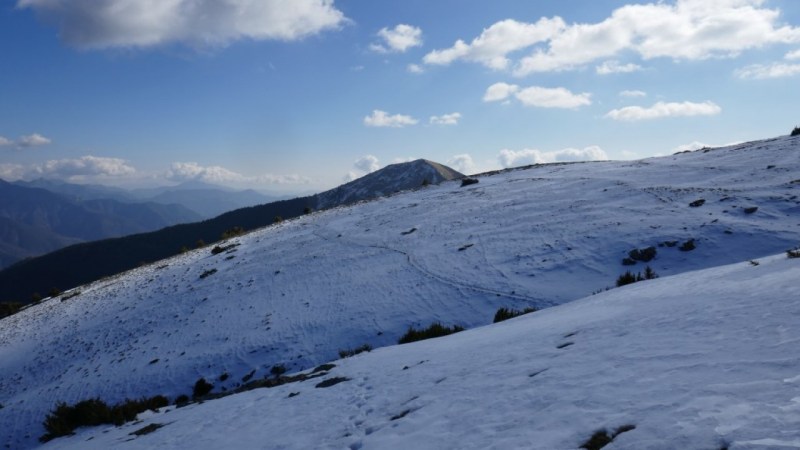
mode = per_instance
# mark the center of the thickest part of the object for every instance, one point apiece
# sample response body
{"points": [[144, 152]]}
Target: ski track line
{"points": [[454, 283]]}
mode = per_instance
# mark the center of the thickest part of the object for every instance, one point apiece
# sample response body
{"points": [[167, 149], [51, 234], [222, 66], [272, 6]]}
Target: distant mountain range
{"points": [[207, 200], [77, 218], [36, 220], [40, 216]]}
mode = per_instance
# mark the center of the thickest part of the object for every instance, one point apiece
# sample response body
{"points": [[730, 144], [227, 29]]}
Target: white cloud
{"points": [[537, 96], [683, 29], [32, 140], [5, 142], [11, 172], [380, 118], [614, 66], [495, 43], [499, 91], [462, 163], [85, 168], [82, 168], [143, 23], [446, 119], [514, 158], [398, 40], [362, 166], [633, 94], [415, 68], [367, 164], [662, 109], [690, 147], [552, 98], [186, 171], [793, 55], [762, 72]]}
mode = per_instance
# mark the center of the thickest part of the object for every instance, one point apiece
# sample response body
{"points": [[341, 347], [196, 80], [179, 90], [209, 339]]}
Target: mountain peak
{"points": [[390, 179]]}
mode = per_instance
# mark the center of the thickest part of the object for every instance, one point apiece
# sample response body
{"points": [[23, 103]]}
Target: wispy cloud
{"points": [[380, 118], [398, 39], [613, 66], [32, 140], [186, 171], [446, 119], [662, 110], [633, 94], [415, 69], [97, 24], [766, 71], [27, 141]]}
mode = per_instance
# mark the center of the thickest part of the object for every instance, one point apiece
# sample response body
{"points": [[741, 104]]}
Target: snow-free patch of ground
{"points": [[297, 293], [704, 360]]}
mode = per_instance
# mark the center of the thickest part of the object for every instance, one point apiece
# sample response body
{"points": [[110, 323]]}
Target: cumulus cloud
{"points": [[96, 24], [380, 118], [398, 39], [499, 91], [495, 43], [662, 109], [188, 171], [514, 158], [766, 71], [614, 66], [362, 166], [537, 96], [32, 140], [462, 163], [633, 94], [684, 29], [446, 119], [5, 142]]}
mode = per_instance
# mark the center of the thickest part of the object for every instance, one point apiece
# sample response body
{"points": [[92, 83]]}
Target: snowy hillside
{"points": [[297, 293], [704, 360]]}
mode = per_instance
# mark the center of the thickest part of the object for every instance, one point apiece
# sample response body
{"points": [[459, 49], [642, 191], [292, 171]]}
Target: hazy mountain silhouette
{"points": [[82, 263]]}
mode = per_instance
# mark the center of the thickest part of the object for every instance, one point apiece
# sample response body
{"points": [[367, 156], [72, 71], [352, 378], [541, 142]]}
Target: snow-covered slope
{"points": [[704, 360], [298, 292]]}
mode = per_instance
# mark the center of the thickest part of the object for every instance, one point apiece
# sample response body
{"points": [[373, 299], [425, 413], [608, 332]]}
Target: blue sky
{"points": [[298, 96]]}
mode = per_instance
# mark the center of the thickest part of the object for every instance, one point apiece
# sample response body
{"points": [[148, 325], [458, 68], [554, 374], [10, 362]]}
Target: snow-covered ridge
{"points": [[392, 178], [297, 293]]}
